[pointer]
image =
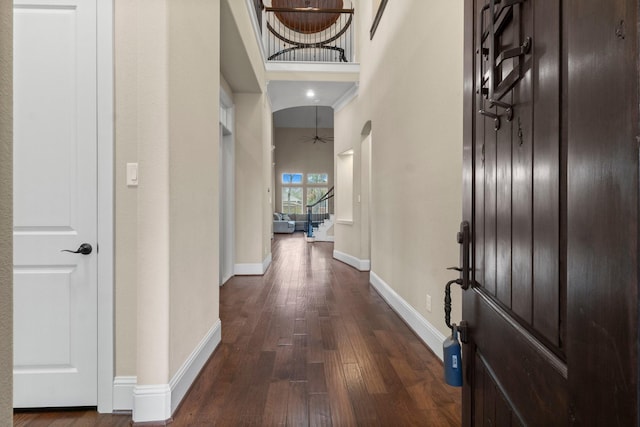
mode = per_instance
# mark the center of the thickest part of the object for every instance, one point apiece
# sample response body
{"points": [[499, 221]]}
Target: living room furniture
{"points": [[282, 224]]}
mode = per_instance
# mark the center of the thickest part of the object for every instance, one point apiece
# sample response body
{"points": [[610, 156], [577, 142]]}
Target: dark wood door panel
{"points": [[547, 307], [514, 360], [503, 210], [522, 190], [552, 195], [517, 169], [602, 211], [494, 409], [530, 378]]}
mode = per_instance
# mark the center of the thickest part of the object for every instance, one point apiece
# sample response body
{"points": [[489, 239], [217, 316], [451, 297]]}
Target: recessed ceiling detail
{"points": [[287, 93]]}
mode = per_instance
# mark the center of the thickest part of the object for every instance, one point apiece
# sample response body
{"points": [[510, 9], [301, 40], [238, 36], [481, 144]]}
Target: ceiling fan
{"points": [[316, 138]]}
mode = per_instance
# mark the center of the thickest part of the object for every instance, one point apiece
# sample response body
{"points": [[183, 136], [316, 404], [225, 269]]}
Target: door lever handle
{"points": [[84, 249], [464, 240]]}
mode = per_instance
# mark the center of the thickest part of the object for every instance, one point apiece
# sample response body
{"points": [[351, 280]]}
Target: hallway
{"points": [[311, 343]]}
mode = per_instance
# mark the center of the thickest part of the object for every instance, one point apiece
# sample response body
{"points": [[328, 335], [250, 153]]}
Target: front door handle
{"points": [[464, 240], [84, 249]]}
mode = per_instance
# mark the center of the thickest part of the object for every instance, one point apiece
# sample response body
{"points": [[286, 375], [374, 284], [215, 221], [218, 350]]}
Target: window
{"points": [[313, 195], [292, 193], [317, 178], [292, 200], [292, 178], [295, 186]]}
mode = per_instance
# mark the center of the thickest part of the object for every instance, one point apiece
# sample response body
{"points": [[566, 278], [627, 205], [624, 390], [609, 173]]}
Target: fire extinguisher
{"points": [[451, 348]]}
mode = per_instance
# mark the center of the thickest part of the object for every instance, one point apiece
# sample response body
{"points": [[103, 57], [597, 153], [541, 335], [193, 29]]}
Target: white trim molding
{"points": [[428, 333], [257, 32], [123, 393], [186, 375], [105, 243], [359, 264], [151, 403], [346, 68], [255, 269], [154, 403], [346, 98], [266, 263]]}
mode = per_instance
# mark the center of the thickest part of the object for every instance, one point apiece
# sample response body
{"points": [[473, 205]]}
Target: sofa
{"points": [[299, 220], [282, 224]]}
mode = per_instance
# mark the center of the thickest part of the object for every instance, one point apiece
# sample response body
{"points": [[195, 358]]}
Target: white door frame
{"points": [[227, 199], [105, 249]]}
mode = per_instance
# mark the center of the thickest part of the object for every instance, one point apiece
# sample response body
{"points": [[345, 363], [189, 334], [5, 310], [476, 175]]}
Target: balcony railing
{"points": [[307, 34]]}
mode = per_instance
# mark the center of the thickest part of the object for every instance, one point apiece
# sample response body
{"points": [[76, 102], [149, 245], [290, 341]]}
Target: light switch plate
{"points": [[132, 174]]}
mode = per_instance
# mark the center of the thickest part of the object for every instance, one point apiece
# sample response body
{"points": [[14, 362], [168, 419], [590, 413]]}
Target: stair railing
{"points": [[326, 205], [307, 34]]}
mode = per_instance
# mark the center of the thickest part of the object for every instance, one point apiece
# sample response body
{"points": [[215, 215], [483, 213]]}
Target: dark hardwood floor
{"points": [[310, 343]]}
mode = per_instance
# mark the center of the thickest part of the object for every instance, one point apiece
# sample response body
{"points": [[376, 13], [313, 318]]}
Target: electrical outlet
{"points": [[429, 303]]}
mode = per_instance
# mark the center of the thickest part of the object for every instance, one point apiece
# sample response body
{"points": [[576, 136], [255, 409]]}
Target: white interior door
{"points": [[55, 198]]}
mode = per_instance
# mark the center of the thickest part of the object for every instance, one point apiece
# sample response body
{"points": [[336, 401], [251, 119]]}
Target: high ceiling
{"points": [[285, 93], [304, 117]]}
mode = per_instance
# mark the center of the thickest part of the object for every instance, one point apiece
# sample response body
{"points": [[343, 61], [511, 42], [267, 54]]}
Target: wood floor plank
{"points": [[319, 411], [309, 343], [275, 412], [298, 405], [363, 403], [315, 351], [339, 401], [315, 377]]}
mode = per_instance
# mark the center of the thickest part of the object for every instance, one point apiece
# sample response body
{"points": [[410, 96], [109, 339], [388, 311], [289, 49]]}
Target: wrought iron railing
{"points": [[320, 208], [307, 34]]}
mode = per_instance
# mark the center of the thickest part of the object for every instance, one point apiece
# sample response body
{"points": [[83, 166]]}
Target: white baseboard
{"points": [[190, 369], [226, 278], [359, 264], [158, 402], [266, 263], [151, 403], [428, 333], [123, 393], [255, 269]]}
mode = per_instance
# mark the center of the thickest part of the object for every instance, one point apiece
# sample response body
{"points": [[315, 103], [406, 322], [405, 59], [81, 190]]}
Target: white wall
{"points": [[411, 90], [167, 109], [194, 51], [295, 153], [6, 213], [253, 136], [126, 198], [252, 178]]}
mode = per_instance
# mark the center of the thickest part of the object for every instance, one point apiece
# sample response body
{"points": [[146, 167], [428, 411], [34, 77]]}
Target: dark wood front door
{"points": [[551, 192]]}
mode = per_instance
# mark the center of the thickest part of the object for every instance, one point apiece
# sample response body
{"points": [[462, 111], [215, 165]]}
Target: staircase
{"points": [[324, 231]]}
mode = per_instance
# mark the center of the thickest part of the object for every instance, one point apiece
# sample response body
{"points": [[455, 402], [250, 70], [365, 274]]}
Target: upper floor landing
{"points": [[284, 45]]}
